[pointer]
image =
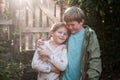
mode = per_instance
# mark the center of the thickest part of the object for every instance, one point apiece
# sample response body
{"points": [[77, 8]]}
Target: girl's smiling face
{"points": [[60, 35]]}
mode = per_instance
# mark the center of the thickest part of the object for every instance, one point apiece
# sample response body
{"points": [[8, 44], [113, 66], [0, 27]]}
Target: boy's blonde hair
{"points": [[73, 14]]}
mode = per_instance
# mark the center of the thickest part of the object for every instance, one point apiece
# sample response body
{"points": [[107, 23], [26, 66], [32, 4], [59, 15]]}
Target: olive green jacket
{"points": [[90, 61]]}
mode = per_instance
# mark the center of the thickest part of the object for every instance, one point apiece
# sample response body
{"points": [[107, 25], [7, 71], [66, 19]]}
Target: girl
{"points": [[52, 54]]}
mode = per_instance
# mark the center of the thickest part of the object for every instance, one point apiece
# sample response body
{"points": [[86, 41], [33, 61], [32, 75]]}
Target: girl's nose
{"points": [[62, 34]]}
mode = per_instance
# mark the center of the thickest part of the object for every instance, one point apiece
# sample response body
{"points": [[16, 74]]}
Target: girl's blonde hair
{"points": [[57, 25], [73, 14]]}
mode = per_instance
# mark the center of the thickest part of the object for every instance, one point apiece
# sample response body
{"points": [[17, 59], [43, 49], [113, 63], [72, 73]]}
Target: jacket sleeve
{"points": [[94, 67], [39, 65], [60, 60]]}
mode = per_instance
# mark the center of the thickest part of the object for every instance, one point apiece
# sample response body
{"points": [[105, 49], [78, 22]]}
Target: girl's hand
{"points": [[54, 69]]}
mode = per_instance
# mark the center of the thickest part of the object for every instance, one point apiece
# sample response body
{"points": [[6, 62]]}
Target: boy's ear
{"points": [[82, 22]]}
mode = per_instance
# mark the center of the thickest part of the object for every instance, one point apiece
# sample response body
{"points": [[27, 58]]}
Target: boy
{"points": [[84, 61]]}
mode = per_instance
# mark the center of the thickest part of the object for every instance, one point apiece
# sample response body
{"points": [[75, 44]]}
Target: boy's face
{"points": [[74, 26]]}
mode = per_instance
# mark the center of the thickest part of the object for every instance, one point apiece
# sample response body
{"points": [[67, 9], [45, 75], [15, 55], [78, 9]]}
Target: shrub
{"points": [[11, 70]]}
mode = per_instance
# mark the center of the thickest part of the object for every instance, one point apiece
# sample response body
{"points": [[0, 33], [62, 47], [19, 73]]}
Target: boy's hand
{"points": [[40, 42]]}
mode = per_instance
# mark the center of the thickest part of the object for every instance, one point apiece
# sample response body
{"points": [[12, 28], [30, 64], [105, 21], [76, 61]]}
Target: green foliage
{"points": [[11, 70], [73, 2], [6, 10], [2, 49], [16, 34]]}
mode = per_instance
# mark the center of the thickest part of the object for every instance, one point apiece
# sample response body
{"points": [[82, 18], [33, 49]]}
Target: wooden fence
{"points": [[34, 25]]}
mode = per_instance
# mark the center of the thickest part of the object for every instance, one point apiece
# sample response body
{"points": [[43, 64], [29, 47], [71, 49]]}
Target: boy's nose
{"points": [[70, 27]]}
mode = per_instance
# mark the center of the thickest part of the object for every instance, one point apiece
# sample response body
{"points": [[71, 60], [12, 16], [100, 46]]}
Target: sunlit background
{"points": [[30, 19], [22, 23]]}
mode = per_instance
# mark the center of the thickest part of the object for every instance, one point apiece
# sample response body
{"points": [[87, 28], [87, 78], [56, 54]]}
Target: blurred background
{"points": [[23, 22]]}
